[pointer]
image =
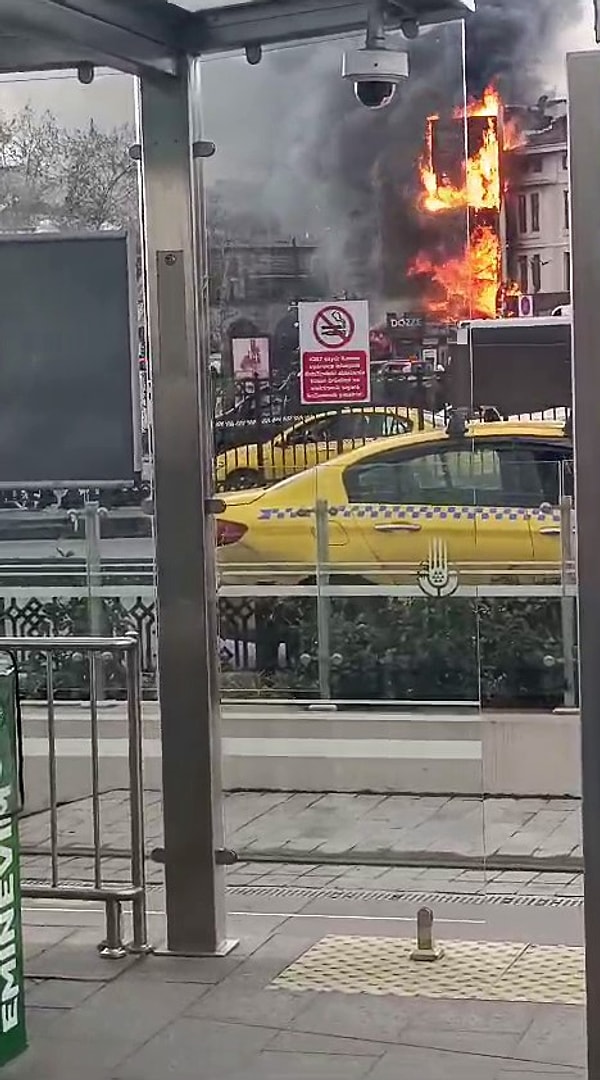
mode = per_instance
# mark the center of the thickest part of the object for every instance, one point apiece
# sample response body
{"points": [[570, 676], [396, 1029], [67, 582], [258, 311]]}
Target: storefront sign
{"points": [[404, 321]]}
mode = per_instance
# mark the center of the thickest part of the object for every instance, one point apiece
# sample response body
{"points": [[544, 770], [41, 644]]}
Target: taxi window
{"points": [[370, 425], [506, 474], [356, 427], [314, 431]]}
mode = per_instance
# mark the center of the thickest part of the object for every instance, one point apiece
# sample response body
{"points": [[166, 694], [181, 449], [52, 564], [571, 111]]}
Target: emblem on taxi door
{"points": [[436, 577]]}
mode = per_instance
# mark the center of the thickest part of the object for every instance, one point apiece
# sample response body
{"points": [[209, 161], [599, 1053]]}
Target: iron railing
{"points": [[112, 895]]}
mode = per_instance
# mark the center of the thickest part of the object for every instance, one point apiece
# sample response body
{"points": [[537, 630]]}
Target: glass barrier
{"points": [[349, 551]]}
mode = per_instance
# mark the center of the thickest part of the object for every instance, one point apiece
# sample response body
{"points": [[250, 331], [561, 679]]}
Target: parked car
{"points": [[309, 442]]}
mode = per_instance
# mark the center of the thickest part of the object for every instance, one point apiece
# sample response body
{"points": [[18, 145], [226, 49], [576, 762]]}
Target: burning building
{"points": [[462, 270]]}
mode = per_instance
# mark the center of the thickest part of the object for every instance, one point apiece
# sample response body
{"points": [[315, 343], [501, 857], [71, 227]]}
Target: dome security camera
{"points": [[375, 72]]}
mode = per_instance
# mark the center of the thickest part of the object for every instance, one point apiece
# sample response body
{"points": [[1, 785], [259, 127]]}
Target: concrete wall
{"points": [[498, 754], [290, 748]]}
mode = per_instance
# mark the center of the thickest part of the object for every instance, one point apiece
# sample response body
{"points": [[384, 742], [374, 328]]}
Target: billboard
{"points": [[69, 386], [518, 365]]}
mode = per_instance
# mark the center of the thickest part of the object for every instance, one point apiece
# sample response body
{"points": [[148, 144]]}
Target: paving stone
{"points": [[472, 1042], [196, 1049], [59, 993], [183, 969], [137, 1016], [301, 1043], [49, 1059], [411, 1063], [472, 1016], [337, 823], [76, 957], [355, 1016], [270, 1065], [543, 1074], [557, 1035], [239, 999]]}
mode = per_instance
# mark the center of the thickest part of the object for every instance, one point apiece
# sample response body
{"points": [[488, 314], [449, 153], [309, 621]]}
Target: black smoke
{"points": [[323, 165], [357, 167]]}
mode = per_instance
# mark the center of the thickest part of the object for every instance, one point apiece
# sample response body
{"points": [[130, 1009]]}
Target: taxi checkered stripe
{"points": [[363, 511]]}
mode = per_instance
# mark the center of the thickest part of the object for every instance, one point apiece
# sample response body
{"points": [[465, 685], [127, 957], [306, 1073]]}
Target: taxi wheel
{"points": [[240, 479]]}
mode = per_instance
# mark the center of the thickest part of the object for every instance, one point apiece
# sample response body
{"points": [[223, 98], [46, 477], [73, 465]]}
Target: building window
{"points": [[567, 271], [565, 162], [522, 210], [567, 211], [524, 274], [535, 212], [536, 273], [536, 164]]}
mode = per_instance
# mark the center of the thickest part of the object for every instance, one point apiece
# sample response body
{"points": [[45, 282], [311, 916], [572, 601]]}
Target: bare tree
{"points": [[99, 180], [30, 166], [52, 176]]}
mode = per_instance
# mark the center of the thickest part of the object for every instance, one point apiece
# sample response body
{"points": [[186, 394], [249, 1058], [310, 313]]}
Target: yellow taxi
{"points": [[452, 506], [309, 442]]}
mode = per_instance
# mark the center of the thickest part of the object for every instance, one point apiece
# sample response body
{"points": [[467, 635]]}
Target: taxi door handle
{"points": [[399, 526], [553, 530]]}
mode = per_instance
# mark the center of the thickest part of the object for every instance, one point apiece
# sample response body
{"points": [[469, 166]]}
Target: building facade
{"points": [[537, 209]]}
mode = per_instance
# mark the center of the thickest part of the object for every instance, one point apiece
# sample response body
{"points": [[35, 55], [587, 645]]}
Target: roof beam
{"points": [[268, 22], [140, 37], [145, 37]]}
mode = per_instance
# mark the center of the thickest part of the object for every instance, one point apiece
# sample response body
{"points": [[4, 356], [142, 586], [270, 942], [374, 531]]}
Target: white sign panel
{"points": [[335, 363], [250, 358]]}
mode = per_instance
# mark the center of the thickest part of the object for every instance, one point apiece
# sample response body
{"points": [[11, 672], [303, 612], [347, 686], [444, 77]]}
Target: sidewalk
{"points": [[234, 1019], [454, 834]]}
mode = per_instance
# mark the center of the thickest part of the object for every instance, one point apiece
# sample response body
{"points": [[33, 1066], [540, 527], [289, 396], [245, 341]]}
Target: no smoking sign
{"points": [[334, 353], [333, 327]]}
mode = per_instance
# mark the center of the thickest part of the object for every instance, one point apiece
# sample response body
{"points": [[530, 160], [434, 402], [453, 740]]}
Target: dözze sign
{"points": [[334, 352]]}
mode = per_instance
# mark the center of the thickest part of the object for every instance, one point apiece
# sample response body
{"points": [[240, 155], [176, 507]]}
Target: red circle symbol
{"points": [[333, 327]]}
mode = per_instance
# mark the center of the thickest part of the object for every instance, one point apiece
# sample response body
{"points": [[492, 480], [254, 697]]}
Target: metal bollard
{"points": [[426, 951], [113, 948]]}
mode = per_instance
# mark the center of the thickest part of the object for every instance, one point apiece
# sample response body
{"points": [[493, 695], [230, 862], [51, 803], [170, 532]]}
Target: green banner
{"points": [[9, 779], [13, 1038]]}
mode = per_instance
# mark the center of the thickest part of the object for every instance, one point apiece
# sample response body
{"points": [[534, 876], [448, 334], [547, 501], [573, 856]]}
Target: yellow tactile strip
{"points": [[476, 970]]}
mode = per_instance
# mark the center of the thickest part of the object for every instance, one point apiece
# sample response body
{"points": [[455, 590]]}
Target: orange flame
{"points": [[468, 285], [480, 187]]}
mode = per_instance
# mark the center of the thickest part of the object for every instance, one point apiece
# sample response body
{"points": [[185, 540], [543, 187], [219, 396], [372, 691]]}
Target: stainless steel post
{"points": [[136, 795], [113, 948], [568, 604], [323, 601], [177, 283], [584, 106], [93, 564], [52, 777]]}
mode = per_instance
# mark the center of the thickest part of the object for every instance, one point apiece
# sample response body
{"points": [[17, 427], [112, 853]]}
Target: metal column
{"points": [[176, 274], [584, 97]]}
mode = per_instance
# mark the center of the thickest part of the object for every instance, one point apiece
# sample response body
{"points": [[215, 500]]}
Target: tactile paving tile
{"points": [[546, 973], [475, 970]]}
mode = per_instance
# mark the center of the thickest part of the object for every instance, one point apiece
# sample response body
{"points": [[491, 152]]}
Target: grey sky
{"points": [[234, 93]]}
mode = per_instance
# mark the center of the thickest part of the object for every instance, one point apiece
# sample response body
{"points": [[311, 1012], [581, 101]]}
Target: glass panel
{"points": [[348, 550], [519, 366], [74, 561]]}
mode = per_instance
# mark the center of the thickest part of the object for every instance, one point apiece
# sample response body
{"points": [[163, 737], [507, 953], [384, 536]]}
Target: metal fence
{"points": [[272, 643], [112, 895], [263, 434]]}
